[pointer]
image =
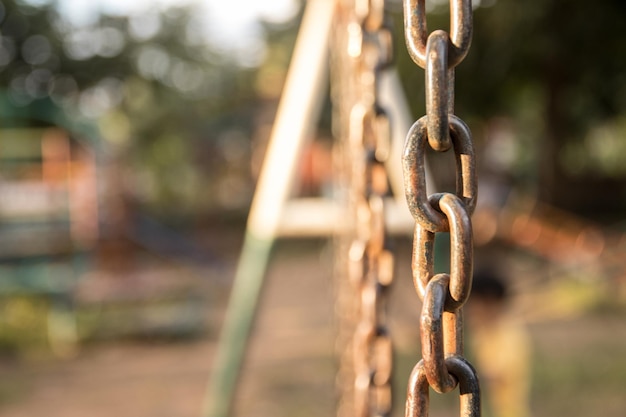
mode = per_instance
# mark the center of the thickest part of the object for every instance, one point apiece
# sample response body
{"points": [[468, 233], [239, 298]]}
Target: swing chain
{"points": [[371, 263], [443, 366]]}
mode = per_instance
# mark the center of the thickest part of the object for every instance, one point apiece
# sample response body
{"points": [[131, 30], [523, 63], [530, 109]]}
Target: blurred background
{"points": [[131, 138]]}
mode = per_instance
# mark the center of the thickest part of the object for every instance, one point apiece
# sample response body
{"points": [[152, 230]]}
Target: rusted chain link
{"points": [[443, 366], [416, 30], [371, 263], [461, 251], [418, 397], [415, 175]]}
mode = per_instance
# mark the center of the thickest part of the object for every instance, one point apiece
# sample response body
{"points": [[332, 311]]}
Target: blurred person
{"points": [[500, 344]]}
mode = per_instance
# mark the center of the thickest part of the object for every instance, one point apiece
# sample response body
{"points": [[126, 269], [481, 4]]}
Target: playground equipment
{"points": [[48, 221]]}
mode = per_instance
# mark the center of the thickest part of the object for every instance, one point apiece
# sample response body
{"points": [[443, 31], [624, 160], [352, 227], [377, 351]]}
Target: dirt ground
{"points": [[579, 369]]}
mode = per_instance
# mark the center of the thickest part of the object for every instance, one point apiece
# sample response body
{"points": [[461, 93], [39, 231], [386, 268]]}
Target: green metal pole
{"points": [[242, 306]]}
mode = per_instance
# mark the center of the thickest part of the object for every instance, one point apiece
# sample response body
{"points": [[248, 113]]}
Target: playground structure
{"points": [[62, 279], [48, 221]]}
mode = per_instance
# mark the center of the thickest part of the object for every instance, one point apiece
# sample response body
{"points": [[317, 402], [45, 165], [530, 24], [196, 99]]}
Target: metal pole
{"points": [[297, 113]]}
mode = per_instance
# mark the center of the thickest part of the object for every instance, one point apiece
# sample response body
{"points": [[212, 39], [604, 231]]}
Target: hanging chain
{"points": [[370, 262], [443, 366]]}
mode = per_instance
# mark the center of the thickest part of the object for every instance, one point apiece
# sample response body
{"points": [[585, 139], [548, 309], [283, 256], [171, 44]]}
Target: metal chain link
{"points": [[371, 263], [443, 366]]}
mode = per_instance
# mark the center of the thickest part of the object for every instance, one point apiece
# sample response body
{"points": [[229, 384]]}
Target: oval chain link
{"points": [[414, 169], [437, 98], [443, 366], [417, 398], [461, 251], [416, 30]]}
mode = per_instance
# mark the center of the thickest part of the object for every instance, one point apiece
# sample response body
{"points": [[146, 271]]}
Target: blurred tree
{"points": [[157, 91]]}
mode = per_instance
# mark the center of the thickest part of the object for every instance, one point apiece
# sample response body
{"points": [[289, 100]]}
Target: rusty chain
{"points": [[442, 366], [368, 46]]}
